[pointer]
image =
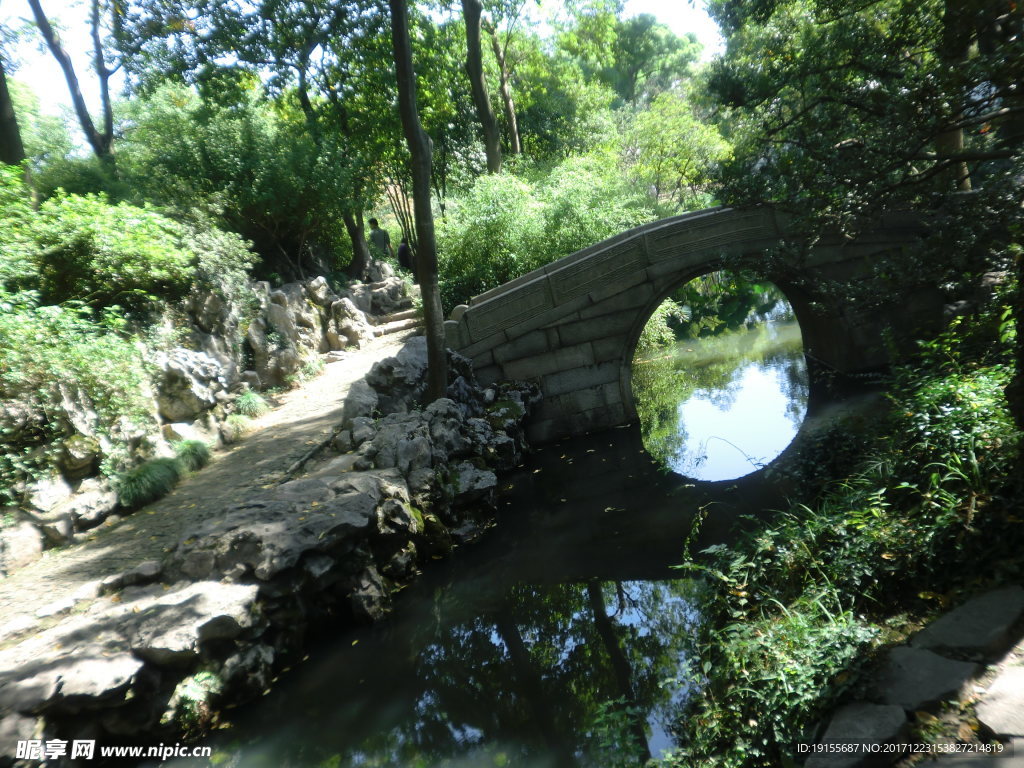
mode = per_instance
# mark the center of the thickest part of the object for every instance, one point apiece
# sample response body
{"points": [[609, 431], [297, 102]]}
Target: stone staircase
{"points": [[396, 322]]}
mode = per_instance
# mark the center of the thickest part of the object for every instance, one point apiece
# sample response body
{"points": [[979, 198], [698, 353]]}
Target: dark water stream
{"points": [[561, 638]]}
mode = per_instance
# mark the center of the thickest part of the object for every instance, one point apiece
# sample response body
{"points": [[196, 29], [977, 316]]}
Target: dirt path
{"points": [[303, 419]]}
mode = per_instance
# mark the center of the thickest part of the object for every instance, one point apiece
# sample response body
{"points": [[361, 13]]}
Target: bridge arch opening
{"points": [[718, 376]]}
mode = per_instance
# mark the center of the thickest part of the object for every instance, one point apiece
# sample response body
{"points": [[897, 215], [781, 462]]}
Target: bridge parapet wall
{"points": [[572, 325]]}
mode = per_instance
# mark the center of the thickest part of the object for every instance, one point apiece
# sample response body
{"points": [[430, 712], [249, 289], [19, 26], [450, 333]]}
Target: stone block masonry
{"points": [[572, 325]]}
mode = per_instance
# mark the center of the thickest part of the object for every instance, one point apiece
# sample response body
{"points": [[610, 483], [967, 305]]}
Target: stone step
{"points": [[407, 314], [981, 626], [398, 325], [914, 678]]}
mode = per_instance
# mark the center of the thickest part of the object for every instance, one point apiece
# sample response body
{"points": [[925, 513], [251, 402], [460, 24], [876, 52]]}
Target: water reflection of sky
{"points": [[753, 428], [722, 407]]}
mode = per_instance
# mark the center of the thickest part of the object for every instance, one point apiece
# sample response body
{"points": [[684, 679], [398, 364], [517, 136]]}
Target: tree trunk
{"points": [[360, 250], [956, 41], [531, 685], [471, 12], [426, 255], [103, 74], [101, 143], [514, 146], [620, 667], [12, 151]]}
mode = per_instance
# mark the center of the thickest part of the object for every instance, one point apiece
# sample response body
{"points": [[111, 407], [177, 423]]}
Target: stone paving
{"points": [[36, 596], [944, 662]]}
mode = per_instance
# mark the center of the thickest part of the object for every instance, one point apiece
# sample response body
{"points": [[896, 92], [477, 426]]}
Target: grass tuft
{"points": [[194, 454], [236, 426], [251, 405], [148, 482]]}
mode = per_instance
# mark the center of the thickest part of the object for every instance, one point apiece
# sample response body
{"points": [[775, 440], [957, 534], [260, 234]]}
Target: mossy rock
{"points": [[437, 541]]}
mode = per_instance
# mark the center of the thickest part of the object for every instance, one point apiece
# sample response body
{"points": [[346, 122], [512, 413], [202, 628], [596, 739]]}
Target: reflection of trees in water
{"points": [[535, 682], [713, 369], [558, 656], [724, 301]]}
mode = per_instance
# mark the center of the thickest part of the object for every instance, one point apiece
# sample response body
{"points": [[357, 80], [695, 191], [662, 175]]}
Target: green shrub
{"points": [[251, 404], [254, 158], [50, 359], [104, 254], [236, 426], [193, 454], [930, 508], [148, 482], [17, 244], [487, 238], [505, 226], [311, 368]]}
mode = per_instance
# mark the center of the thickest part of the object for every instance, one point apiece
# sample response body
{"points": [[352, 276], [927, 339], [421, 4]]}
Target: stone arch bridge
{"points": [[572, 325]]}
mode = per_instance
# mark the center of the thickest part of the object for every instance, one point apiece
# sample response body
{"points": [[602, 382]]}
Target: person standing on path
{"points": [[405, 258], [380, 241]]}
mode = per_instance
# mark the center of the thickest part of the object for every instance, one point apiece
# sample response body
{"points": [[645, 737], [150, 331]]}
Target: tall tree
{"points": [[638, 57], [332, 57], [472, 12], [420, 150], [500, 27], [843, 112], [12, 151], [851, 108], [101, 141]]}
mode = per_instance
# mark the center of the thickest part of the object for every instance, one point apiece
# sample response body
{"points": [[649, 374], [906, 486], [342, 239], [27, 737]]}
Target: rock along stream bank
{"points": [[165, 645]]}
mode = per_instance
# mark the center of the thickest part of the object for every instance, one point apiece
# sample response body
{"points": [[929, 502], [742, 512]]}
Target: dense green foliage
{"points": [[847, 112], [79, 278], [252, 161], [795, 601], [50, 358], [102, 254], [505, 226]]}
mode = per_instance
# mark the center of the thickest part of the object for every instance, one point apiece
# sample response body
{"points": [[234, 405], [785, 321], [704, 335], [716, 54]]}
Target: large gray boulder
{"points": [[91, 504], [92, 660], [400, 381], [1001, 709], [20, 544], [48, 492], [267, 536], [381, 297], [188, 384], [347, 326]]}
